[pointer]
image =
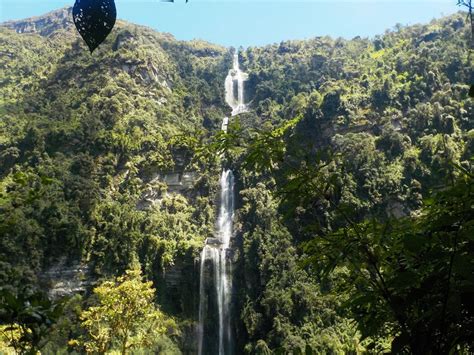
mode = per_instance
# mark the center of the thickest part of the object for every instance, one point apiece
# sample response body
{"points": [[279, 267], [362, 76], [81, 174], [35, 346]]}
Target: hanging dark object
{"points": [[94, 19], [471, 91]]}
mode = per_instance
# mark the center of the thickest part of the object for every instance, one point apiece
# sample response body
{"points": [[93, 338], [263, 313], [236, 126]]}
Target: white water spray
{"points": [[214, 256], [234, 88]]}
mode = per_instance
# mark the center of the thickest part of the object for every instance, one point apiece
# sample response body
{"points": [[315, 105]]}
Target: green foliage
{"points": [[344, 142], [124, 315], [282, 309], [87, 144], [28, 318], [92, 136], [411, 277], [349, 177]]}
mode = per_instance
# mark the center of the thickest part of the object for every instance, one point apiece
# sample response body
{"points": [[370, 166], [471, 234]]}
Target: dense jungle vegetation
{"points": [[354, 227]]}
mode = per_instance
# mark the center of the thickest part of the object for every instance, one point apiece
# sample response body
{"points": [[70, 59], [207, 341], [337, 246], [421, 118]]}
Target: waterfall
{"points": [[215, 253], [215, 291], [234, 88]]}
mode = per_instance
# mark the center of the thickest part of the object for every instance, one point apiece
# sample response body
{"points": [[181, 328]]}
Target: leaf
{"points": [[364, 300], [9, 302], [94, 19], [404, 280], [414, 243], [45, 180], [463, 266]]}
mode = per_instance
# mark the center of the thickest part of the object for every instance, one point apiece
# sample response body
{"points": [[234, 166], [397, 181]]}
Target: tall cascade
{"points": [[215, 278], [234, 88]]}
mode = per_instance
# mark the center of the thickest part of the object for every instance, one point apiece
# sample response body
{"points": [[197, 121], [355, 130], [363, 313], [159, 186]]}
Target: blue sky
{"points": [[257, 22]]}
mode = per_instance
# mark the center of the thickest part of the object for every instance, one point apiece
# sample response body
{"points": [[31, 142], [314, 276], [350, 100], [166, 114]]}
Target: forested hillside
{"points": [[94, 174], [344, 173], [354, 222]]}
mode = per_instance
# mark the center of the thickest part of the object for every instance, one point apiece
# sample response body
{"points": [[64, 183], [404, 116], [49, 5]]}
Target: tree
{"points": [[28, 318], [468, 5], [124, 315], [411, 278]]}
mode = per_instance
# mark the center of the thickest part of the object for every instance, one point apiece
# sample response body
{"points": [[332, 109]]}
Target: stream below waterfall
{"points": [[215, 283]]}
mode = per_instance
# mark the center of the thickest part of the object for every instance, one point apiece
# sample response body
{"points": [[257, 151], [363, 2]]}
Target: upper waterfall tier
{"points": [[234, 88]]}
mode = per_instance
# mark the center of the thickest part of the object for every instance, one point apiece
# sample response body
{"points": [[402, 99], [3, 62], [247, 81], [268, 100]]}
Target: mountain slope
{"points": [[352, 134], [104, 164], [91, 137]]}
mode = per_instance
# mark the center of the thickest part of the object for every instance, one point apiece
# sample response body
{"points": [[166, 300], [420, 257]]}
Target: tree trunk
{"points": [[124, 344]]}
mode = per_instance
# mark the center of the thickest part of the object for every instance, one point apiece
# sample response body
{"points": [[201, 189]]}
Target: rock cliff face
{"points": [[46, 25], [66, 278]]}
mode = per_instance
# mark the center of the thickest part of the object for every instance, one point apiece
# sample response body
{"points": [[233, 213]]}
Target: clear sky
{"points": [[257, 22]]}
